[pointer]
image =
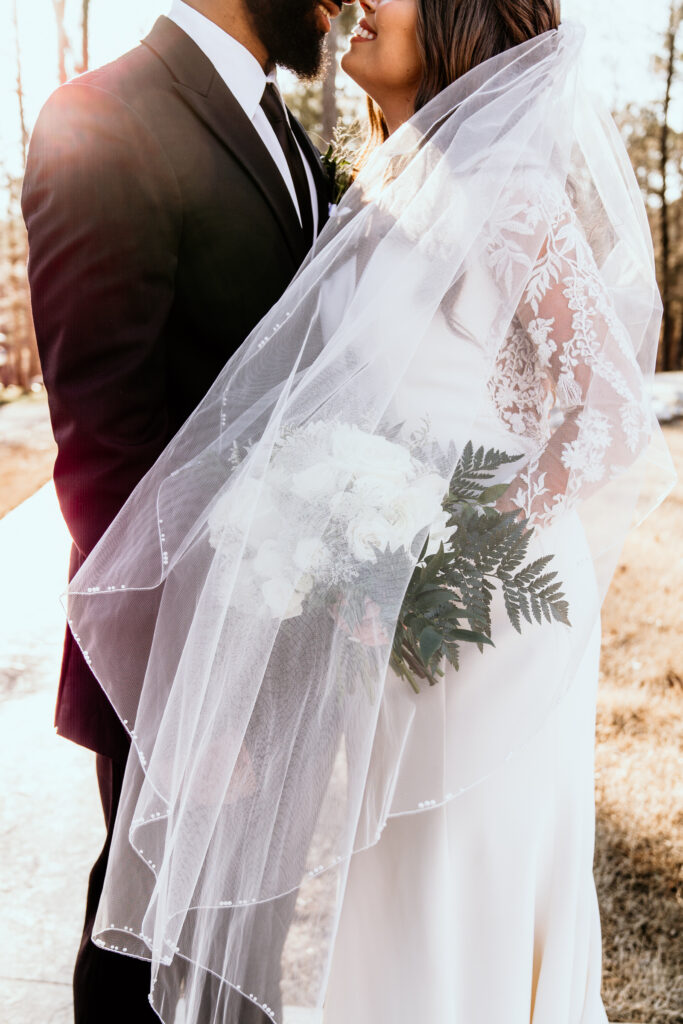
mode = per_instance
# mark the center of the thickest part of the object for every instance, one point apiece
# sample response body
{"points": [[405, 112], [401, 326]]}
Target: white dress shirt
{"points": [[246, 80]]}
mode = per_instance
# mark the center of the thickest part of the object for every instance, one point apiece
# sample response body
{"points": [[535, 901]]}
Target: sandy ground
{"points": [[27, 450], [50, 822], [639, 756]]}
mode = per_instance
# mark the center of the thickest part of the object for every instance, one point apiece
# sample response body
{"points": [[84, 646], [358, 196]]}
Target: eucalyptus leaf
{"points": [[430, 642]]}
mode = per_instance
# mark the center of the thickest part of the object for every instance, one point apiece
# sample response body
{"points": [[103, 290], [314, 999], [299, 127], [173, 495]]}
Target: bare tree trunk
{"points": [[62, 40], [330, 112], [668, 354], [20, 86], [85, 37], [22, 364]]}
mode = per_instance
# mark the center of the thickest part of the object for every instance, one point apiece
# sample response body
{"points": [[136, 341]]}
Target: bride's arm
{"points": [[569, 355]]}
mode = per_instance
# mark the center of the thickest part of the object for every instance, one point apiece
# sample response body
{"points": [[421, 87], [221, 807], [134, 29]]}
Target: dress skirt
{"points": [[484, 910]]}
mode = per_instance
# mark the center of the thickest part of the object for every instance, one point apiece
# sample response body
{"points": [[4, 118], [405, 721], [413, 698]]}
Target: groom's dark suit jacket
{"points": [[160, 232]]}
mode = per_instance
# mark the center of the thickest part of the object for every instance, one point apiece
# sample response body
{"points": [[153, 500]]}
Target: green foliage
{"points": [[339, 160], [449, 597]]}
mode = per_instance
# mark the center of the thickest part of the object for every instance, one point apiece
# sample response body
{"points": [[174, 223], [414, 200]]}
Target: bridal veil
{"points": [[267, 734]]}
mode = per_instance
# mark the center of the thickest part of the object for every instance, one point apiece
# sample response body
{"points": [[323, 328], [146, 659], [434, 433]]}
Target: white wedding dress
{"points": [[298, 829], [483, 910]]}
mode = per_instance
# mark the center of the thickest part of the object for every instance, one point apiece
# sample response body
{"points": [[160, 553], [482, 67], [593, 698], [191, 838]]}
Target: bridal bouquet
{"points": [[366, 499], [340, 159]]}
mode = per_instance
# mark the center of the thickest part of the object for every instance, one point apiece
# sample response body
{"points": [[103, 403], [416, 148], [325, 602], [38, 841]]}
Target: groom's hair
{"points": [[455, 36]]}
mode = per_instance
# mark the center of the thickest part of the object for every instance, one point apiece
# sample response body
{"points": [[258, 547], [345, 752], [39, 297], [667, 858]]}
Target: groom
{"points": [[169, 200]]}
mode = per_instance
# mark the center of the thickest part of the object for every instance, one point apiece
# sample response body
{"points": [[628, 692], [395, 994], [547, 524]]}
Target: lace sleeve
{"points": [[567, 376]]}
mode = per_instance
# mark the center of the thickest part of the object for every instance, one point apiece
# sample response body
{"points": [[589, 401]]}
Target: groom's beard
{"points": [[290, 33]]}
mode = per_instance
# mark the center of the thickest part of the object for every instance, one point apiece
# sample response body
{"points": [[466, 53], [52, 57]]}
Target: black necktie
{"points": [[274, 110]]}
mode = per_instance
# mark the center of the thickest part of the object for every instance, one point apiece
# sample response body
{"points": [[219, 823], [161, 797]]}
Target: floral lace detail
{"points": [[520, 386], [566, 353]]}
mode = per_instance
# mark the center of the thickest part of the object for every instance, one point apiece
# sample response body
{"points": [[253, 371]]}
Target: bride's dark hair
{"points": [[455, 36]]}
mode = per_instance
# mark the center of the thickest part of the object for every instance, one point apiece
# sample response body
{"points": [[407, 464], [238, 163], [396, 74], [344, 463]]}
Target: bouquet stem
{"points": [[410, 665]]}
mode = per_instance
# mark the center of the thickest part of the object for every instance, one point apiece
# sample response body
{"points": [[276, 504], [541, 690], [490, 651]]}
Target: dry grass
{"points": [[639, 783]]}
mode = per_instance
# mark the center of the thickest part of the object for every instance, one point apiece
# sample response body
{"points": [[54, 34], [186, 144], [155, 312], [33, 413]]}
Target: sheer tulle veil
{"points": [[266, 740]]}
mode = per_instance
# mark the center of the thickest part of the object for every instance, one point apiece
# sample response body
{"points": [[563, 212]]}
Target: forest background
{"points": [[634, 53]]}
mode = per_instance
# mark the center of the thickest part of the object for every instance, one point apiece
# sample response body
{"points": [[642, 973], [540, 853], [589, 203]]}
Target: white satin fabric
{"points": [[482, 910]]}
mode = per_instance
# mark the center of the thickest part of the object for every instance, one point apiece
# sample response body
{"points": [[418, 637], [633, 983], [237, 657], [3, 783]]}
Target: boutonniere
{"points": [[339, 162]]}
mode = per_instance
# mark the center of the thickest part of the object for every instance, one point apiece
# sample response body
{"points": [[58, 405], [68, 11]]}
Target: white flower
{"points": [[249, 506], [228, 512], [309, 553], [418, 506], [362, 454], [316, 481], [270, 560], [433, 487], [295, 606], [440, 533], [283, 600], [377, 491], [346, 505], [366, 533], [305, 584]]}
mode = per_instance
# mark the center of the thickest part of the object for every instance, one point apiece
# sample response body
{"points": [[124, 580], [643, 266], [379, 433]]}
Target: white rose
{"points": [[314, 482], [309, 553], [433, 485], [419, 506], [277, 594], [270, 561], [282, 599], [295, 606], [440, 533], [377, 491], [361, 454], [346, 505], [305, 584], [248, 507], [365, 533]]}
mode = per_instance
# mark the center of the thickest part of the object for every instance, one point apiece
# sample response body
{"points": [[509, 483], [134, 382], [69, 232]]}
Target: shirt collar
{"points": [[239, 69]]}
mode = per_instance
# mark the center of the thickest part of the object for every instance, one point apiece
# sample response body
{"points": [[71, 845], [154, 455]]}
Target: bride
{"points": [[407, 856]]}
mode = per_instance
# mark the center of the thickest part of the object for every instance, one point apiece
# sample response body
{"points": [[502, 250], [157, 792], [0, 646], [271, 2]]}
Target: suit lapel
{"points": [[202, 88], [221, 112], [322, 184]]}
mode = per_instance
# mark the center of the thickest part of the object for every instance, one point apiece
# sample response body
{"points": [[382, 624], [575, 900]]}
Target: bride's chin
{"points": [[350, 66], [344, 63], [353, 69]]}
